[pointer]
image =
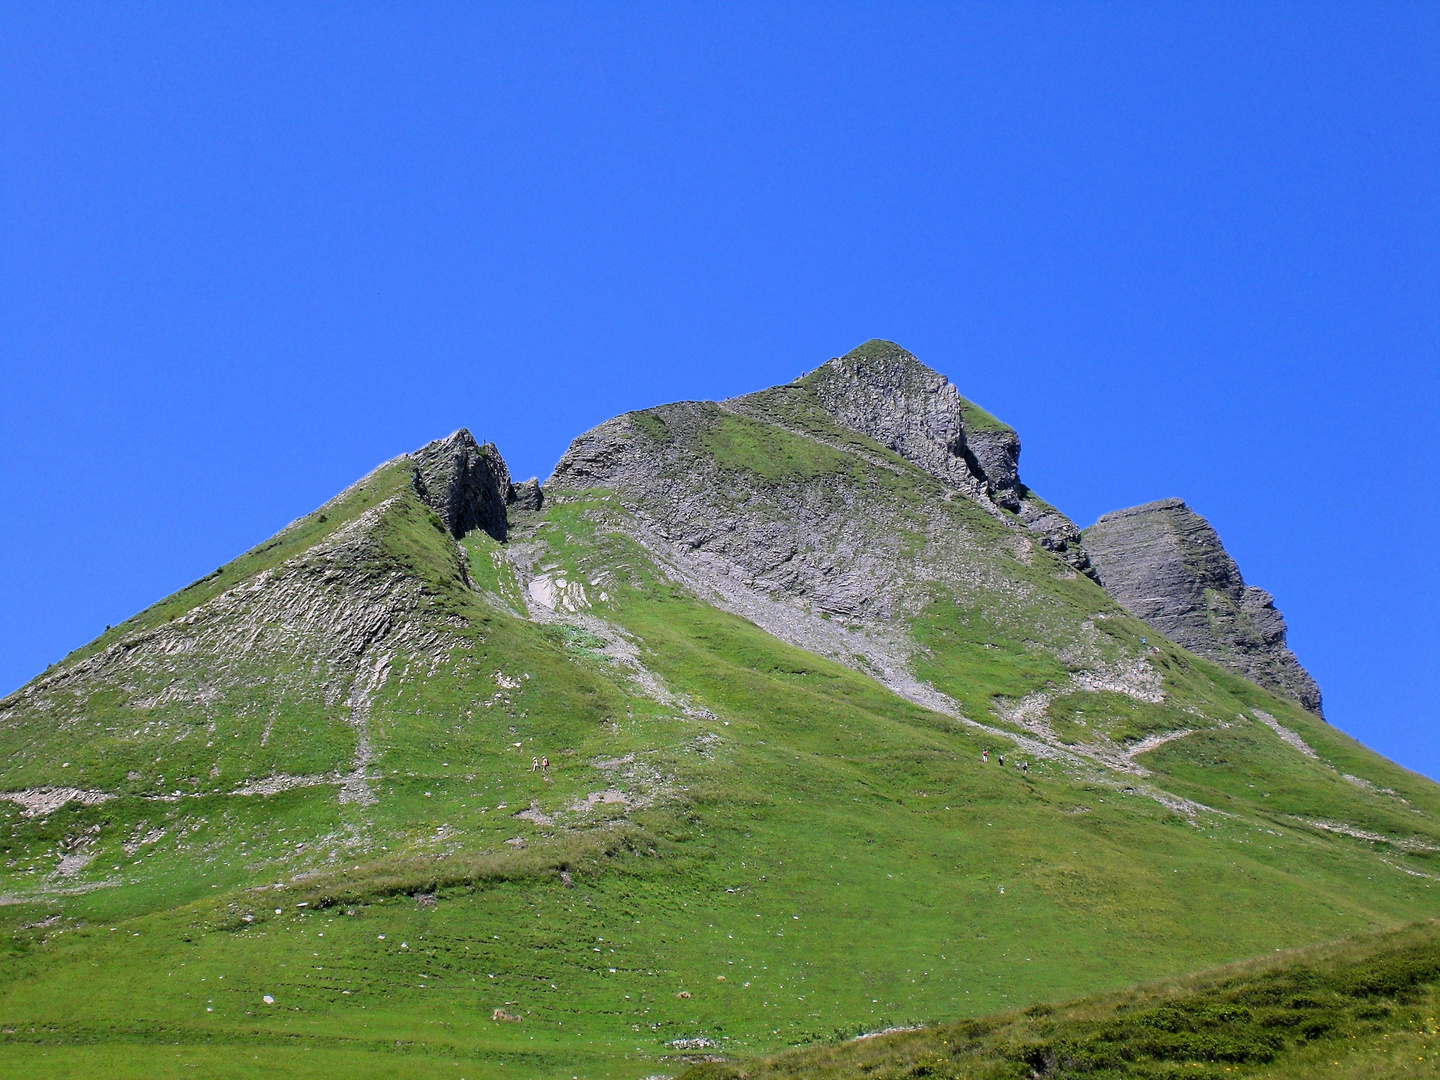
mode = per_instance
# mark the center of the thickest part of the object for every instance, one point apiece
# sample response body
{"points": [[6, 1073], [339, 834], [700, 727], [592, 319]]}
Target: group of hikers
{"points": [[1020, 766], [540, 765]]}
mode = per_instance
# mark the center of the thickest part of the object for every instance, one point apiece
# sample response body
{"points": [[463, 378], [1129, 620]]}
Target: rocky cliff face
{"points": [[786, 491], [836, 510], [468, 485], [884, 392], [1165, 564]]}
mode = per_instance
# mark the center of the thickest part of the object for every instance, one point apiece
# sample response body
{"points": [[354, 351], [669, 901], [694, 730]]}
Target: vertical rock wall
{"points": [[1165, 564], [468, 485]]}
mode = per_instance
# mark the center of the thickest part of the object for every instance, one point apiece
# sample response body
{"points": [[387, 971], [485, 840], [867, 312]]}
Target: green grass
{"points": [[826, 811], [737, 442], [1364, 1007]]}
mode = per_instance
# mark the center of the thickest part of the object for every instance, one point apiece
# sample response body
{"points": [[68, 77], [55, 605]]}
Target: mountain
{"points": [[763, 718], [1165, 564]]}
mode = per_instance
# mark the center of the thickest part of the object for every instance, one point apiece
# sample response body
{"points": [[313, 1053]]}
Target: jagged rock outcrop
{"points": [[1165, 564], [884, 392], [468, 485], [527, 496], [465, 483]]}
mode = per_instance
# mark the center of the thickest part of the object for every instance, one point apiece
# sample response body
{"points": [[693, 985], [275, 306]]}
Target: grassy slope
{"points": [[1360, 1008], [257, 727], [838, 855], [387, 480]]}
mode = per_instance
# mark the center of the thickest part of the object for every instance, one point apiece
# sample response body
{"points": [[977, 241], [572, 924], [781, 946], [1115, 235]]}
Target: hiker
{"points": [[985, 756], [544, 766], [1002, 758], [534, 764], [1025, 768]]}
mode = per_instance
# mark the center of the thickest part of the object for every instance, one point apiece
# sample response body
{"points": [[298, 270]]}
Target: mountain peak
{"points": [[737, 636], [886, 362], [1165, 564], [465, 483], [885, 392]]}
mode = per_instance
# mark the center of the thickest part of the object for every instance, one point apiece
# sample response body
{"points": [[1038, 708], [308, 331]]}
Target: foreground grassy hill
{"points": [[286, 822], [1364, 1007]]}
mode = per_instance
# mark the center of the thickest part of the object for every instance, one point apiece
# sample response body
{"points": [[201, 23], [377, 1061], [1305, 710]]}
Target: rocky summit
{"points": [[765, 721], [1165, 564], [882, 391]]}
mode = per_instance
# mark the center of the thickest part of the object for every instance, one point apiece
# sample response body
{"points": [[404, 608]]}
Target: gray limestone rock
{"points": [[1164, 563], [855, 489], [818, 532], [468, 485], [526, 496], [883, 391]]}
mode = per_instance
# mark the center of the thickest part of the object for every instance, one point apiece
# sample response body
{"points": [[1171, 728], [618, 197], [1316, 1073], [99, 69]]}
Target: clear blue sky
{"points": [[248, 251]]}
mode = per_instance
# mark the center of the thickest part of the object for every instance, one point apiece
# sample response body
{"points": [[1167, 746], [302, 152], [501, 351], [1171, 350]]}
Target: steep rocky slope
{"points": [[882, 391], [1165, 564], [833, 510]]}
